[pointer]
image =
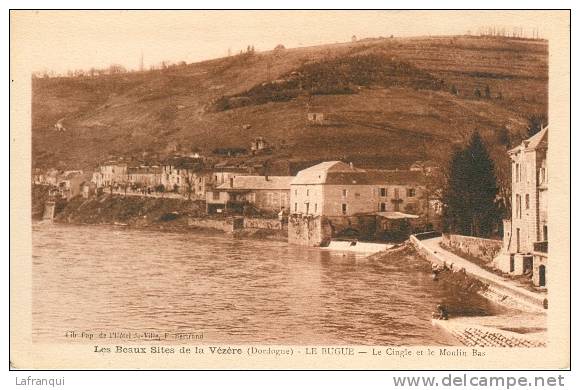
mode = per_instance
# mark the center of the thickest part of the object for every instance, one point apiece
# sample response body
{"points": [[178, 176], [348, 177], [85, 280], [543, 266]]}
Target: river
{"points": [[115, 279]]}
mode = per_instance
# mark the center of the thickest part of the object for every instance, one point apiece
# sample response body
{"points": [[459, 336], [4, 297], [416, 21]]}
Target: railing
{"points": [[427, 235], [541, 246]]}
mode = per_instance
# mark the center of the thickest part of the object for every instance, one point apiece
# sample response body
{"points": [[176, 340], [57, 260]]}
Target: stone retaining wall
{"points": [[495, 292], [225, 225], [482, 248], [236, 223], [308, 230], [262, 223]]}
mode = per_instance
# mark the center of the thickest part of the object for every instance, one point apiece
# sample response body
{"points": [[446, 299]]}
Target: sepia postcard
{"points": [[290, 189]]}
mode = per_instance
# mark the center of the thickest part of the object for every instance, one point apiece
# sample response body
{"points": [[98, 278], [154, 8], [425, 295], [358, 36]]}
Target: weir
{"points": [[357, 246]]}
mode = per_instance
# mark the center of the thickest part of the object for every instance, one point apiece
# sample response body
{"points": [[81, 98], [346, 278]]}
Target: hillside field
{"points": [[388, 102]]}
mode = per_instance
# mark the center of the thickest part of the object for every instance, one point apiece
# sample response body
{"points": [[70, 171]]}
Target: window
{"points": [[383, 192], [410, 192], [344, 207], [344, 193], [517, 173], [383, 207], [518, 206], [307, 192], [307, 208], [527, 174], [356, 195], [315, 208], [396, 193], [542, 175], [527, 201], [295, 207], [216, 195], [295, 192]]}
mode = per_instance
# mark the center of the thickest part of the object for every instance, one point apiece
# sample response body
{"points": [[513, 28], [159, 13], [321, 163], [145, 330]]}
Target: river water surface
{"points": [[108, 279]]}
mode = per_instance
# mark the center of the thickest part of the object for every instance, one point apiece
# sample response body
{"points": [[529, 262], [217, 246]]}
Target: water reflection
{"points": [[236, 291]]}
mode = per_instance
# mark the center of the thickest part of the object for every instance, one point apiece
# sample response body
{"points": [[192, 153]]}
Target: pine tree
{"points": [[471, 190], [535, 123]]}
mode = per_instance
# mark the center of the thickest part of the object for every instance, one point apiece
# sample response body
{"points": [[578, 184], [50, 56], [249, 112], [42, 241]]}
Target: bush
{"points": [[335, 76]]}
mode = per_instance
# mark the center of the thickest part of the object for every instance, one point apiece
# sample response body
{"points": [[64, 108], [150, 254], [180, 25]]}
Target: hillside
{"points": [[387, 102]]}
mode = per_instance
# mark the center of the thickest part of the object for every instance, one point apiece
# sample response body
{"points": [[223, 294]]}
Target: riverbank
{"points": [[523, 325], [162, 214]]}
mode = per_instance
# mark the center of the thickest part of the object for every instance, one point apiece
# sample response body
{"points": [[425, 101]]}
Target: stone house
{"points": [[45, 177], [144, 176], [525, 240], [370, 204], [268, 193], [110, 173], [316, 118], [186, 175], [334, 188], [427, 167], [260, 145], [70, 184]]}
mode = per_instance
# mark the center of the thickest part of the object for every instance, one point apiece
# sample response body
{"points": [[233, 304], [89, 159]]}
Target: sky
{"points": [[69, 40]]}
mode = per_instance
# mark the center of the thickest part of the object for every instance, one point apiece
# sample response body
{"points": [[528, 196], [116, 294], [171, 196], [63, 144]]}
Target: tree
{"points": [[536, 123], [189, 176], [503, 136], [471, 189]]}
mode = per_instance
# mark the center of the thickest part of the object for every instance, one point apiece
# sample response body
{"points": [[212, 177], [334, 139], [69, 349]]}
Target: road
{"points": [[433, 245]]}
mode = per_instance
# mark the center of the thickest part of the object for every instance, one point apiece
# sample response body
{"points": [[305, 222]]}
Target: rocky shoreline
{"points": [[161, 214]]}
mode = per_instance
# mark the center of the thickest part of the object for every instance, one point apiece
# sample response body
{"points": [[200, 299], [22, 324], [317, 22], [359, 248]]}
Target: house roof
{"points": [[348, 178], [318, 173], [396, 177], [71, 174], [259, 183], [144, 170], [337, 172], [540, 139], [183, 162]]}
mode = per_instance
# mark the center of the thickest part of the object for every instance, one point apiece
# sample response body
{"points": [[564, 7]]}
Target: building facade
{"points": [[267, 193], [186, 175], [110, 173], [144, 176], [525, 241], [334, 188]]}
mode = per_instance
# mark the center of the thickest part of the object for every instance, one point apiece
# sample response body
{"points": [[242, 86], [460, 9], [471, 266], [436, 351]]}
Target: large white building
{"points": [[110, 173], [525, 241], [334, 188]]}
